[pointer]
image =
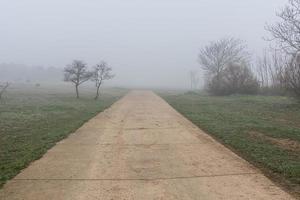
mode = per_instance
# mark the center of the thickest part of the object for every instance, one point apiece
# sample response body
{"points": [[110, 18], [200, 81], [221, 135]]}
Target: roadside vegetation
{"points": [[229, 68], [34, 118], [252, 105], [265, 130]]}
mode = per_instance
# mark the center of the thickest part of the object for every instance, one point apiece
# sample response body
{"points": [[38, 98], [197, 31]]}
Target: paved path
{"points": [[140, 149]]}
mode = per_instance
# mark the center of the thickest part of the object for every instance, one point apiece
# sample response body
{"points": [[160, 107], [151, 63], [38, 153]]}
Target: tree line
{"points": [[78, 72], [229, 69]]}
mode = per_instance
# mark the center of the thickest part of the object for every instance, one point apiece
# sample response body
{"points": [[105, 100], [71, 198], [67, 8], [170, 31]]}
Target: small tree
{"points": [[3, 88], [101, 73], [262, 68], [215, 57], [77, 73], [194, 79], [270, 71], [292, 76]]}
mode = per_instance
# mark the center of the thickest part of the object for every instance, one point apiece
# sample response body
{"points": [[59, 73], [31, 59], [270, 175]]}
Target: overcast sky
{"points": [[149, 43]]}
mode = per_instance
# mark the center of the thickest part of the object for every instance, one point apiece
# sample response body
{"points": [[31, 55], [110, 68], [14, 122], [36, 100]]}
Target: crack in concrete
{"points": [[139, 179]]}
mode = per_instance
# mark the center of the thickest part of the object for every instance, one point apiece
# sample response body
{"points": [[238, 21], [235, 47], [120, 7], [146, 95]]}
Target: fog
{"points": [[149, 43]]}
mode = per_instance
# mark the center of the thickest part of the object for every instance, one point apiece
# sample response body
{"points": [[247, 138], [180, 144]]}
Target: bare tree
{"points": [[287, 30], [280, 62], [270, 71], [101, 73], [194, 79], [263, 68], [77, 73], [292, 75], [3, 88], [215, 57]]}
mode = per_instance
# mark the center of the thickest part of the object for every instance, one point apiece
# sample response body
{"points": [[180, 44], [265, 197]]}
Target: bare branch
{"points": [[287, 31]]}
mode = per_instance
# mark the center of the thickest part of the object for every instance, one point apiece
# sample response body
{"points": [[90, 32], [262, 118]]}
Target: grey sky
{"points": [[148, 42]]}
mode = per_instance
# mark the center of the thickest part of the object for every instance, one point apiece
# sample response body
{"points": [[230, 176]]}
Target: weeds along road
{"points": [[140, 148]]}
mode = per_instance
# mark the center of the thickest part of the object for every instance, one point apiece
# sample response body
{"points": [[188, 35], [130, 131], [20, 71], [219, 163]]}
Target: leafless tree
{"points": [[280, 63], [101, 73], [270, 71], [287, 30], [194, 79], [264, 69], [3, 88], [215, 57], [292, 75], [77, 73]]}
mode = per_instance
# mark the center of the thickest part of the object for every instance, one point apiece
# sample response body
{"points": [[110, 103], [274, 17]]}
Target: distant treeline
{"points": [[23, 73]]}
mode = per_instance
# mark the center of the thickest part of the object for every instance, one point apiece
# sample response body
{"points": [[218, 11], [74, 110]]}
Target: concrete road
{"points": [[140, 149]]}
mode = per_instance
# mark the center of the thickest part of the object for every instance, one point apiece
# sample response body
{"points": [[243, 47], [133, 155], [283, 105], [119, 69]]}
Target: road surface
{"points": [[140, 149]]}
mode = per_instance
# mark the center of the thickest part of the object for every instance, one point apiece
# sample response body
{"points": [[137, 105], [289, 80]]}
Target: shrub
{"points": [[234, 79]]}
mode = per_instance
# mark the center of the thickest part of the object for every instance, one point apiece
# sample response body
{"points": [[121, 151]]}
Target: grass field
{"points": [[33, 119], [265, 130]]}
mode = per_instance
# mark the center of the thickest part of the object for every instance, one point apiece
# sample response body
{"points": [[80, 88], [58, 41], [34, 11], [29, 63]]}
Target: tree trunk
{"points": [[3, 90], [1, 93], [98, 92], [218, 82], [77, 92]]}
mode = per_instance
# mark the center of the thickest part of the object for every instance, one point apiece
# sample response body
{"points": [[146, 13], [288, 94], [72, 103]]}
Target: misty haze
{"points": [[140, 39], [170, 99]]}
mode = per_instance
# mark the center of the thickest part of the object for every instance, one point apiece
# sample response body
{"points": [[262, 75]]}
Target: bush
{"points": [[235, 79], [275, 90]]}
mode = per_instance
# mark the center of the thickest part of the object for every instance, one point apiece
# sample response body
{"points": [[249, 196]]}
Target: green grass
{"points": [[33, 119], [249, 125]]}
